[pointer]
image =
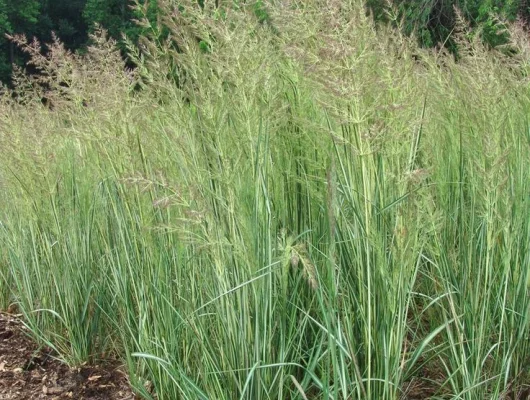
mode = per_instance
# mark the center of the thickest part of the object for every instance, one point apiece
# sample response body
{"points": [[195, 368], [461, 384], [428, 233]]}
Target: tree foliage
{"points": [[115, 15], [5, 28], [434, 21]]}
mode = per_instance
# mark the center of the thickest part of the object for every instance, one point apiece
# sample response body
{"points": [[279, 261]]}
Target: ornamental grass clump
{"points": [[292, 203]]}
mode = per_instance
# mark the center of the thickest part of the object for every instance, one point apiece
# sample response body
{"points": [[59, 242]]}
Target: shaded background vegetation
{"points": [[72, 21]]}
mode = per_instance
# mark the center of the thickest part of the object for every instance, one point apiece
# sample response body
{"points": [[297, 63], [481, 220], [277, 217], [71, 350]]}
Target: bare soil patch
{"points": [[29, 373]]}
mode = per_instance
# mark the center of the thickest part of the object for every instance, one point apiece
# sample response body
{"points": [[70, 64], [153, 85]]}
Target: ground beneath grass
{"points": [[29, 373]]}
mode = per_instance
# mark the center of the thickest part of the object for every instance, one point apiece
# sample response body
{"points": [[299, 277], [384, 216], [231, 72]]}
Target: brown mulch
{"points": [[27, 373]]}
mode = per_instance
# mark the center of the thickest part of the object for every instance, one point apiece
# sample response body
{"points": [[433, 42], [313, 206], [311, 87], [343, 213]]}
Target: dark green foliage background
{"points": [[433, 21], [72, 20]]}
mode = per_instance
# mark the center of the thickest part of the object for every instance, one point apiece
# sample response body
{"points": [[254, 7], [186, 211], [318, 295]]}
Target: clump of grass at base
{"points": [[313, 208]]}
